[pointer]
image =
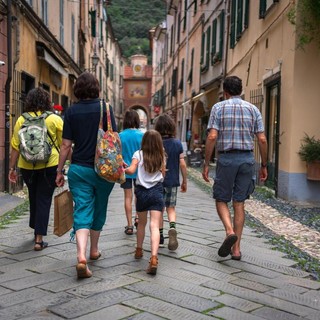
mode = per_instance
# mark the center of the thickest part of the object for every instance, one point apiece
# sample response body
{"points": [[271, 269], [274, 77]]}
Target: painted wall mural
{"points": [[137, 90]]}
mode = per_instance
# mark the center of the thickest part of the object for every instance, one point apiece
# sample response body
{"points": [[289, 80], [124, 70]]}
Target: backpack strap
{"points": [[27, 116], [44, 116]]}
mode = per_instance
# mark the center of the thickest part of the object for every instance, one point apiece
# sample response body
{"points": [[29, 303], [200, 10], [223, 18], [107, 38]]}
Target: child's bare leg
{"points": [[155, 217], [141, 228]]}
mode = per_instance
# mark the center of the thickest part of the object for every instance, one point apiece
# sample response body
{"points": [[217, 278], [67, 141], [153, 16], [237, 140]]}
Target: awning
{"points": [[44, 54]]}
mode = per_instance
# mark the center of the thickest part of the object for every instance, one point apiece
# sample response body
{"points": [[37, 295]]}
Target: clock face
{"points": [[137, 68]]}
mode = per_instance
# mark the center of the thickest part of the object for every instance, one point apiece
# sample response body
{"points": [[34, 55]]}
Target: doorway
{"points": [[272, 132]]}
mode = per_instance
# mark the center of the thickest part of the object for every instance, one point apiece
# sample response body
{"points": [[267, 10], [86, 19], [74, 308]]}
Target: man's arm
{"points": [[210, 143], [263, 148]]}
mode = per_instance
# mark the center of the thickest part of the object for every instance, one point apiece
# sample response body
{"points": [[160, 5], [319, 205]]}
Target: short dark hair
{"points": [[37, 99], [131, 119], [86, 86], [165, 125], [232, 85]]}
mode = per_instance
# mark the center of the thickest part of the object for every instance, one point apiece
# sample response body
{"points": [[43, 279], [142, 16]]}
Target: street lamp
{"points": [[95, 60]]}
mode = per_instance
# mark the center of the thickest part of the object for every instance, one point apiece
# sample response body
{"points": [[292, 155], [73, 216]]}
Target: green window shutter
{"points": [[233, 24], [111, 71], [214, 41], [185, 14], [262, 9], [178, 29], [191, 67], [208, 46], [93, 22], [107, 68], [239, 18], [221, 35], [174, 82], [246, 14], [182, 75], [202, 48]]}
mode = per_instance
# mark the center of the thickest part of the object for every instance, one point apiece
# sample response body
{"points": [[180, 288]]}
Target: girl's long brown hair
{"points": [[153, 152]]}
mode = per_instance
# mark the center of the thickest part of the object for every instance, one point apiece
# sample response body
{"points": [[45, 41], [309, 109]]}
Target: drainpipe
{"points": [[184, 103], [7, 99]]}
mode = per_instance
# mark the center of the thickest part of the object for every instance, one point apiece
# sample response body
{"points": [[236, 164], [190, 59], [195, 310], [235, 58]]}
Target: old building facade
{"points": [[206, 41], [51, 51]]}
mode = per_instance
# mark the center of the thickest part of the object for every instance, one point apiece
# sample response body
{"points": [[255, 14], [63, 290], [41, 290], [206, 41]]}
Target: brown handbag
{"points": [[63, 213]]}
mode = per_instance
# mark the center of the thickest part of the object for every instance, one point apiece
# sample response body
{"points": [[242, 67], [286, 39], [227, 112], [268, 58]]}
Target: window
{"points": [[239, 20], [55, 98], [174, 82], [182, 75], [72, 37], [64, 102], [178, 29], [44, 11], [30, 3], [191, 67], [62, 22], [185, 14], [208, 47], [217, 39], [171, 41], [44, 86], [202, 48], [195, 9], [265, 5], [111, 72]]}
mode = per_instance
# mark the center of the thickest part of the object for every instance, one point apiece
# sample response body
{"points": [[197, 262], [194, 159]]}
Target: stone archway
{"points": [[144, 117]]}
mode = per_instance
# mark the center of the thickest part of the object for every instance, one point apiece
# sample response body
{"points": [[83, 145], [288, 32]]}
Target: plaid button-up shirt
{"points": [[237, 122]]}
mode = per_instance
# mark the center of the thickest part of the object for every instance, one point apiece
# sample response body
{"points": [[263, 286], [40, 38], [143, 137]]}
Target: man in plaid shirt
{"points": [[231, 128]]}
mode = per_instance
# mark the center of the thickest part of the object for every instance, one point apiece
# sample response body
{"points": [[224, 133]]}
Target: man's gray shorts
{"points": [[235, 177]]}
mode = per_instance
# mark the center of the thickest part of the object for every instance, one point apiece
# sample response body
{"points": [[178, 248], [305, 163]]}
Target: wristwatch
{"points": [[61, 171], [263, 165]]}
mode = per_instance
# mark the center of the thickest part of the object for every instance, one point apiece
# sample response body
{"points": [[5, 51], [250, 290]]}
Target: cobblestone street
{"points": [[192, 283]]}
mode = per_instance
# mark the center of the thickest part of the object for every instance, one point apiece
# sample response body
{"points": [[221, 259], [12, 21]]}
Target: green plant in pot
{"points": [[310, 153]]}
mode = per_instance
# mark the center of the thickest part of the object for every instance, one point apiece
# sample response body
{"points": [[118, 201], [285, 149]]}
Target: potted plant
{"points": [[310, 153]]}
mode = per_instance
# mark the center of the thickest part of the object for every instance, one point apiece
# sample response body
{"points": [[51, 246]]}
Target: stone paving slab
{"points": [[165, 309], [9, 202], [231, 314], [191, 283], [269, 313]]}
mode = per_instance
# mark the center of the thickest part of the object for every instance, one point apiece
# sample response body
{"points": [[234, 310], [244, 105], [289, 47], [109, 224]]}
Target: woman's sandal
{"points": [[38, 246], [128, 230], [83, 270]]}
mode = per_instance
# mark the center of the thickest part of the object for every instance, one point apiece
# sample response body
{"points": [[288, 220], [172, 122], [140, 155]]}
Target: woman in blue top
{"points": [[131, 138]]}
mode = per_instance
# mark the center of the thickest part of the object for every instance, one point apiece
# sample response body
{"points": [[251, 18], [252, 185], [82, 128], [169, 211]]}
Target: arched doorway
{"points": [[144, 117], [199, 126]]}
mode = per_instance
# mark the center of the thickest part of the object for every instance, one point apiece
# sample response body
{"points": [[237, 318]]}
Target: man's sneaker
{"points": [[161, 242], [173, 242]]}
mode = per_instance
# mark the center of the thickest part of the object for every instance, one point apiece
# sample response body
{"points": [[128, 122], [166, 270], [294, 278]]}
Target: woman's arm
{"points": [[13, 161], [65, 150]]}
